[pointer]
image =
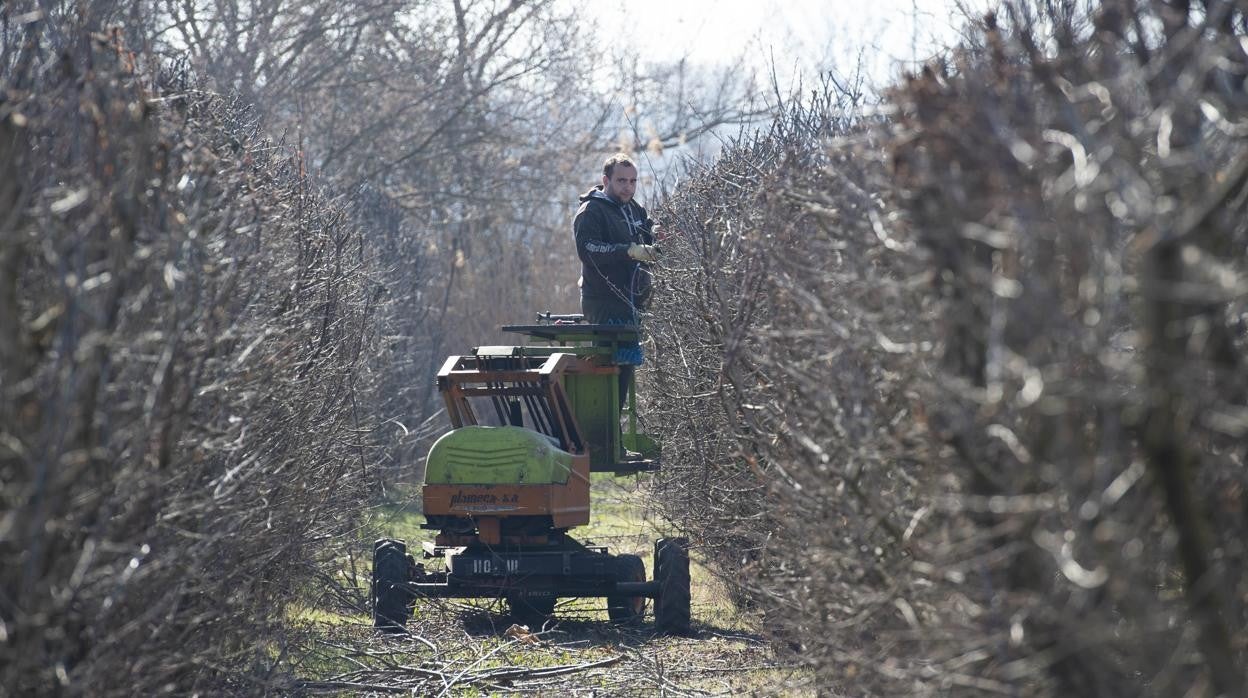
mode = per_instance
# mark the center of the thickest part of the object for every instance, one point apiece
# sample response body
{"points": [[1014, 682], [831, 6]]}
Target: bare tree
{"points": [[186, 375], [957, 398]]}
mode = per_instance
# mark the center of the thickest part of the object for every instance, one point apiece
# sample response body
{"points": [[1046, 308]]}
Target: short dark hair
{"points": [[617, 159]]}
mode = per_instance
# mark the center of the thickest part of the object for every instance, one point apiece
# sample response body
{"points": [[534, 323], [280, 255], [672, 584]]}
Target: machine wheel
{"points": [[627, 609], [534, 608], [671, 572], [390, 609]]}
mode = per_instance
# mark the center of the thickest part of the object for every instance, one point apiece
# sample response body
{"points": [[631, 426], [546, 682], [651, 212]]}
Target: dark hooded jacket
{"points": [[604, 231]]}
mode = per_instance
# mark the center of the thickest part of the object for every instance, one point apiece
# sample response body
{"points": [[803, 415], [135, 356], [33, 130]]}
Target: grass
{"points": [[401, 519]]}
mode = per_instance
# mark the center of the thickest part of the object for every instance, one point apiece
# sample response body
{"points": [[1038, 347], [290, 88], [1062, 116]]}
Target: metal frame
{"points": [[597, 344], [460, 372]]}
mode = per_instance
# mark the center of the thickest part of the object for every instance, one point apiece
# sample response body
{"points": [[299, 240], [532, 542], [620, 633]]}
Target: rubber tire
{"points": [[390, 604], [671, 572], [532, 608], [627, 610]]}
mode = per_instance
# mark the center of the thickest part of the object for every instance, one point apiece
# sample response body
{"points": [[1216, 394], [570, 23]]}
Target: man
{"points": [[615, 241]]}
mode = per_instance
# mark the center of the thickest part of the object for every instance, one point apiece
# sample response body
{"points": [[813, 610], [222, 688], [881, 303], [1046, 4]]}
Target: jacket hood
{"points": [[597, 193]]}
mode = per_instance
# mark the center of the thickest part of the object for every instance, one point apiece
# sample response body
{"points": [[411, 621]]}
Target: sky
{"points": [[802, 37], [810, 35]]}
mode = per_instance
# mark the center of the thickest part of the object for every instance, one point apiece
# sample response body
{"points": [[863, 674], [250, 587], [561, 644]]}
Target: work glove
{"points": [[643, 253]]}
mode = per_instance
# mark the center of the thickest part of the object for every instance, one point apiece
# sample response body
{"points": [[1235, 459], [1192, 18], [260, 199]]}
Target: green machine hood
{"points": [[480, 455]]}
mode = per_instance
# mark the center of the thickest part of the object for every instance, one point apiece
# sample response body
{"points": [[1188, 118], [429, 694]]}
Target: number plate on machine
{"points": [[591, 563], [463, 566]]}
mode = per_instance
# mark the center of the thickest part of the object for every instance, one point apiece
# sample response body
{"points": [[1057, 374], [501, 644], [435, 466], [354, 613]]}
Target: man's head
{"points": [[619, 178]]}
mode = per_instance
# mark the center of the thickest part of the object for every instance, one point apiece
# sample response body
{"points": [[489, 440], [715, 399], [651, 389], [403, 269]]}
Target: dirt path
{"points": [[479, 649]]}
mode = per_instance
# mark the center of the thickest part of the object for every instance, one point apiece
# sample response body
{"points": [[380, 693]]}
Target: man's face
{"points": [[621, 184]]}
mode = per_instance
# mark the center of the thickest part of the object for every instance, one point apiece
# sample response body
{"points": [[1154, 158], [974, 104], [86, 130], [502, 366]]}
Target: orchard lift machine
{"points": [[512, 477]]}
